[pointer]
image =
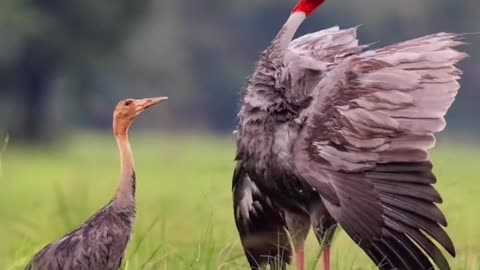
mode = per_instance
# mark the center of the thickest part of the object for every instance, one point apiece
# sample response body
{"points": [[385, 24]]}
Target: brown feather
{"points": [[369, 127]]}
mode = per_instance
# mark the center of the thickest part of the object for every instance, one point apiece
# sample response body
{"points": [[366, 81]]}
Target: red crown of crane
{"points": [[308, 6]]}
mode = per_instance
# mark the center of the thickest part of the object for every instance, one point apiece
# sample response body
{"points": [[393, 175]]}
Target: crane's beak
{"points": [[143, 104]]}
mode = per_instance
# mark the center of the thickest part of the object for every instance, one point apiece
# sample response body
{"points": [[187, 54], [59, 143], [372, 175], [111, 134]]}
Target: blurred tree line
{"points": [[66, 63]]}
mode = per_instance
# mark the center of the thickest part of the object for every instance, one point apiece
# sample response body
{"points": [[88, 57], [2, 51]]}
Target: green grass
{"points": [[184, 201]]}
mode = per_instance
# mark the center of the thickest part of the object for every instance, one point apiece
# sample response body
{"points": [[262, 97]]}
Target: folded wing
{"points": [[261, 225]]}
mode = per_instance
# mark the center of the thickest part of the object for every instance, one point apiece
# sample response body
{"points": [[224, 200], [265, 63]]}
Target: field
{"points": [[185, 216]]}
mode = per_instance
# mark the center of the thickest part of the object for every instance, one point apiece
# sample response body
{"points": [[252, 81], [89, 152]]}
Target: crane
{"points": [[101, 241], [333, 133]]}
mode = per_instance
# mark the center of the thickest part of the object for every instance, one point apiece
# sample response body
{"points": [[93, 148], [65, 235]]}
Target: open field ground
{"points": [[185, 216]]}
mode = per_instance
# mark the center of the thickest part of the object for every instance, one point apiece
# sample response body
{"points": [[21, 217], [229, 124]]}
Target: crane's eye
{"points": [[127, 103]]}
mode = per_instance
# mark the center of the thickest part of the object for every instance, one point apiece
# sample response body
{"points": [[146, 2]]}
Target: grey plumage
{"points": [[326, 120], [100, 243]]}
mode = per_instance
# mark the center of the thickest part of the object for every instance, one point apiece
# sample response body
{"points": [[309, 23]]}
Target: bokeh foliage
{"points": [[47, 39], [197, 52]]}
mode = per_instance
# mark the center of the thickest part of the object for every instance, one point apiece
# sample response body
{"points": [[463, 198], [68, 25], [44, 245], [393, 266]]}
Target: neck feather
{"points": [[126, 191], [289, 29]]}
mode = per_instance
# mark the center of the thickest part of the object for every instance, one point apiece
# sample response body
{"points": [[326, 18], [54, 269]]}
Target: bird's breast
{"points": [[270, 165]]}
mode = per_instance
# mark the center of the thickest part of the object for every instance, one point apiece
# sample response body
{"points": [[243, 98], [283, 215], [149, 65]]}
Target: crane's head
{"points": [[127, 110], [308, 6]]}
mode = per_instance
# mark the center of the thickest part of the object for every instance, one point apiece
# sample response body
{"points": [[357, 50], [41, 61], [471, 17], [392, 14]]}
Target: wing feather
{"points": [[311, 56], [261, 225], [367, 134]]}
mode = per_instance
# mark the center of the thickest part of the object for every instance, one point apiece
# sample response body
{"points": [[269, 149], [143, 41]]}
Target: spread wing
{"points": [[292, 76], [365, 142], [310, 56], [261, 225]]}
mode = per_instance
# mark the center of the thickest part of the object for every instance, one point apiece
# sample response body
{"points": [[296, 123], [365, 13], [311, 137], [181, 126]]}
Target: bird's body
{"points": [[100, 243], [330, 133]]}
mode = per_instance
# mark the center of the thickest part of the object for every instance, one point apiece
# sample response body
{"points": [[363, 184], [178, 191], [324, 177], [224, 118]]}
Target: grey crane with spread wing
{"points": [[332, 133]]}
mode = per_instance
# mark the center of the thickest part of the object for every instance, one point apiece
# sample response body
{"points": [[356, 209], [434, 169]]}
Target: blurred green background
{"points": [[65, 64]]}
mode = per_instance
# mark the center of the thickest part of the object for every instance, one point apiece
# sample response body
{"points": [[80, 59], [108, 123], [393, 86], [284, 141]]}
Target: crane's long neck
{"points": [[303, 9], [125, 195], [289, 29]]}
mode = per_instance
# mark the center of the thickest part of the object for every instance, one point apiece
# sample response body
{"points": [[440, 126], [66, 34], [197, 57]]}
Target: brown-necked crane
{"points": [[330, 133], [100, 243]]}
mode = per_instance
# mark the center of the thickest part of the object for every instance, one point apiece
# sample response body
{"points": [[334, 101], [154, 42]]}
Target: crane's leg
{"points": [[298, 225], [326, 258], [324, 227], [325, 238], [300, 258]]}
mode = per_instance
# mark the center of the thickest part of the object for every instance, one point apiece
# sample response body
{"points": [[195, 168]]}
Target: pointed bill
{"points": [[145, 103]]}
